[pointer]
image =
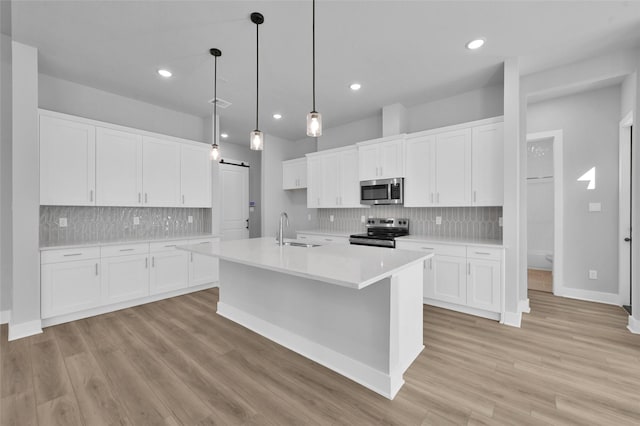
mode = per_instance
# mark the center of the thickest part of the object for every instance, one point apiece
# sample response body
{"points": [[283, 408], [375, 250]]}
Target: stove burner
{"points": [[381, 232]]}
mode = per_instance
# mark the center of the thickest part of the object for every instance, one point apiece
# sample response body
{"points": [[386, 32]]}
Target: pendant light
{"points": [[314, 119], [256, 136], [215, 149]]}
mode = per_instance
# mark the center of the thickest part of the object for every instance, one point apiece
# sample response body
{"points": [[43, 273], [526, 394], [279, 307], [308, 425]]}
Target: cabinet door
{"points": [[203, 269], [118, 168], [391, 159], [330, 185], [169, 271], [289, 175], [450, 282], [67, 162], [301, 173], [483, 285], [368, 167], [453, 168], [419, 182], [429, 278], [195, 176], [349, 182], [124, 278], [487, 165], [70, 287], [161, 172], [314, 182]]}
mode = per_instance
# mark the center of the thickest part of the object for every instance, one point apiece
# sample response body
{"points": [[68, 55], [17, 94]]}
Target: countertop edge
{"points": [[115, 243]]}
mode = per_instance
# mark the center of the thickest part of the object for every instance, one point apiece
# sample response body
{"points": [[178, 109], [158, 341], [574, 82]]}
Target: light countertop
{"points": [[345, 265], [328, 233], [452, 240], [128, 241]]}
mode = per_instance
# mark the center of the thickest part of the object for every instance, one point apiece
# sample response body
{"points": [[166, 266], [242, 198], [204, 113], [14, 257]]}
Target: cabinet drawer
{"points": [[68, 255], [166, 245], [440, 249], [124, 250], [489, 253]]}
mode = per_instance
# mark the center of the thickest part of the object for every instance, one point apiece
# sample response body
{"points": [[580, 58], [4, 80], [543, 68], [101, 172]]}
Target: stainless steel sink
{"points": [[297, 244]]}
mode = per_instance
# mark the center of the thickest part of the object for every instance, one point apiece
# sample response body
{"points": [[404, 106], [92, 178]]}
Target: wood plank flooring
{"points": [[175, 362], [540, 280]]}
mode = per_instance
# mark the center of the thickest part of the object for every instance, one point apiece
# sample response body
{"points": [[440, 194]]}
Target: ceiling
{"points": [[400, 51]]}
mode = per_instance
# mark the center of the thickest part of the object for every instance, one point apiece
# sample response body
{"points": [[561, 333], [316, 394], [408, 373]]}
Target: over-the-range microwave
{"points": [[382, 191]]}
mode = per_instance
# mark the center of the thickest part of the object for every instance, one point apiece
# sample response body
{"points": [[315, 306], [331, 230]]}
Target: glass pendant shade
{"points": [[314, 124], [257, 140], [215, 152]]}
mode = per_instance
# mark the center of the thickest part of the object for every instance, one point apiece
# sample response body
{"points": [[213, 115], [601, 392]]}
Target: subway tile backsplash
{"points": [[103, 224], [457, 222]]}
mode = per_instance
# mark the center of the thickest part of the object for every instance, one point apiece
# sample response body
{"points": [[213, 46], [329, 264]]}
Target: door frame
{"points": [[231, 163], [624, 261], [558, 207]]}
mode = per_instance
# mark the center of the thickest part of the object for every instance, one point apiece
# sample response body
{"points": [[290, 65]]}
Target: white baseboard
{"points": [[589, 295], [378, 381], [61, 319], [461, 308], [523, 306], [634, 325], [512, 319], [26, 329], [5, 316]]}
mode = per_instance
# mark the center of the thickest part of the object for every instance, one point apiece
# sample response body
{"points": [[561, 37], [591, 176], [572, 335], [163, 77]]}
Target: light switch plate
{"points": [[62, 222], [595, 207], [593, 274], [500, 221], [438, 220], [189, 219], [136, 220], [330, 218]]}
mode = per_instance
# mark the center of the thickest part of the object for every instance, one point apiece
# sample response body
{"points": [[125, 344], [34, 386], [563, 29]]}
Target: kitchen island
{"points": [[356, 310]]}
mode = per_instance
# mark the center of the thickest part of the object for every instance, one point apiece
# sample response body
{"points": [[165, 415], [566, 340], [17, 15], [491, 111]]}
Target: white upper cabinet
{"points": [[487, 167], [333, 179], [453, 168], [420, 179], [294, 173], [118, 168], [381, 160], [161, 173], [195, 176], [67, 162]]}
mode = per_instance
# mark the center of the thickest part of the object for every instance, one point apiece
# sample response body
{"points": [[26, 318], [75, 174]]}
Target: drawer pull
{"points": [[96, 269], [427, 248], [483, 252], [303, 238], [204, 242], [129, 249], [328, 239], [171, 245], [72, 254], [153, 261], [146, 262]]}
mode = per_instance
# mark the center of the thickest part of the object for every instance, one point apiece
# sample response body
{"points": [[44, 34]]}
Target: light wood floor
{"points": [[177, 362], [540, 280]]}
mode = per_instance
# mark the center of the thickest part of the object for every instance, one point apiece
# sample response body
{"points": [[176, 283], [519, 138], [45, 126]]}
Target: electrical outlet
{"points": [[136, 220], [330, 218], [362, 219], [309, 217], [593, 274], [500, 221], [189, 219], [595, 207], [62, 222], [438, 220]]}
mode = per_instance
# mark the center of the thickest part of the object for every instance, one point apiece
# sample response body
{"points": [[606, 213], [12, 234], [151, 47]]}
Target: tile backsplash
{"points": [[102, 224], [457, 222]]}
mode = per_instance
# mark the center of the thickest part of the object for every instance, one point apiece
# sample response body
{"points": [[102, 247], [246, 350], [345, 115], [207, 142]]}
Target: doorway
{"points": [[234, 200], [544, 211], [625, 212]]}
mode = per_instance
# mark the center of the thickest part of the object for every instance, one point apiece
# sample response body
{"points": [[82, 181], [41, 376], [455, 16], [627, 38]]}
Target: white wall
{"points": [[25, 314], [274, 199], [348, 134], [5, 177], [72, 98], [589, 122], [628, 94]]}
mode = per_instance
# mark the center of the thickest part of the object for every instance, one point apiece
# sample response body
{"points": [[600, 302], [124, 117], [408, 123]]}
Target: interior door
{"points": [[234, 192]]}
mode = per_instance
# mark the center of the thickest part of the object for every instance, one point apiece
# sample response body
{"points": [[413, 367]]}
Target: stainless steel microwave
{"points": [[382, 191]]}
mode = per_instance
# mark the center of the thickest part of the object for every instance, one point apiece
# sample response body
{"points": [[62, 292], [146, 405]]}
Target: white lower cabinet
{"points": [[124, 278], [203, 269], [169, 267], [464, 278]]}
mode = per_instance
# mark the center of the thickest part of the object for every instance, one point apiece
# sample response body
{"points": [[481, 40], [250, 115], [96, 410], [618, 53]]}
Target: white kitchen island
{"points": [[356, 310]]}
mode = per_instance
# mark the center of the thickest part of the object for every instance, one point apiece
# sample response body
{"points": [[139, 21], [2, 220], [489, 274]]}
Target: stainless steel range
{"points": [[381, 232]]}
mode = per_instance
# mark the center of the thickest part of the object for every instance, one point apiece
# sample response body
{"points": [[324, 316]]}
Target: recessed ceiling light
{"points": [[224, 135], [475, 44], [277, 116], [355, 86], [165, 73]]}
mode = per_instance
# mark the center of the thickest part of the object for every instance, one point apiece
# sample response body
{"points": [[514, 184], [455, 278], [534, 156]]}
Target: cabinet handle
{"points": [[438, 197], [483, 252], [432, 198], [191, 256], [72, 254], [153, 261], [468, 268], [426, 248], [381, 170], [139, 198], [171, 245], [474, 196], [183, 199], [328, 239], [91, 195], [302, 238], [129, 249], [431, 264], [96, 269], [146, 198], [146, 262]]}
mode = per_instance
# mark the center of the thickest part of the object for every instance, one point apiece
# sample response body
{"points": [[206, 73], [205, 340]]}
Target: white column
{"points": [[25, 314], [634, 319]]}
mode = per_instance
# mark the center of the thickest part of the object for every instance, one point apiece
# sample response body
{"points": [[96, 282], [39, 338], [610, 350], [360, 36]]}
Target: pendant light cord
{"points": [[215, 99], [257, 69], [313, 31]]}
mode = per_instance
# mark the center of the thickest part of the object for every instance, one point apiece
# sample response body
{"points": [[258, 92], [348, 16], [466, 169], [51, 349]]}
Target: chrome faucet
{"points": [[284, 221]]}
